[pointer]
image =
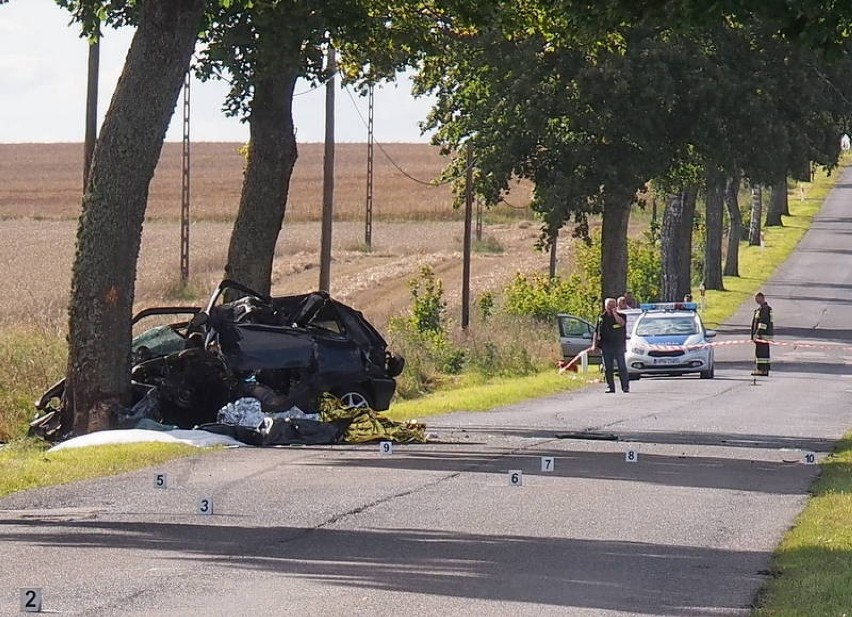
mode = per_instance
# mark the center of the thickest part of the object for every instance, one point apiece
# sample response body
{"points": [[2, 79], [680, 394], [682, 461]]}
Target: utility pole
{"points": [[468, 215], [184, 194], [368, 215], [328, 174], [479, 220], [91, 108], [554, 239]]}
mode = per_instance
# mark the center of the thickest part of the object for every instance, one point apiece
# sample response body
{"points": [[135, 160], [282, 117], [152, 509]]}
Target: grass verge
{"points": [[487, 395], [30, 358], [26, 464], [813, 564]]}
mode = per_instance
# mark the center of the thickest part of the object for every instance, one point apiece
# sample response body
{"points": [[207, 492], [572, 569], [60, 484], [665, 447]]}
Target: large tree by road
{"points": [[110, 228], [131, 138]]}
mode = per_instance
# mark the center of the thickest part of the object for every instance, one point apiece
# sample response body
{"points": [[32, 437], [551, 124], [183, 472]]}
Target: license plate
{"points": [[666, 360]]}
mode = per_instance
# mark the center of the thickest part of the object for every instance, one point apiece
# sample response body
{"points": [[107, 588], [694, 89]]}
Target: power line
{"points": [[390, 158], [409, 176], [317, 86], [508, 203], [308, 91]]}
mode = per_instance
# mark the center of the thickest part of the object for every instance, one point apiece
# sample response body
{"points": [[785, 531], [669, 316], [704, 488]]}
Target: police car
{"points": [[669, 339]]}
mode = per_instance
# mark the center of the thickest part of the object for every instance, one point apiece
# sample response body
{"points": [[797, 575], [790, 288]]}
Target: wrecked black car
{"points": [[284, 352]]}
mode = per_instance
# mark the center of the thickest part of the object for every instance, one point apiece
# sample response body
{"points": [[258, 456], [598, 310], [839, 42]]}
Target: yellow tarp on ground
{"points": [[367, 425]]}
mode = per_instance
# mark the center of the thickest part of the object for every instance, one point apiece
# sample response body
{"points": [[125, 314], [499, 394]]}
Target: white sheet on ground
{"points": [[200, 439]]}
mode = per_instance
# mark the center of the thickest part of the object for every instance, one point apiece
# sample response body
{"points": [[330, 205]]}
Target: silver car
{"points": [[575, 335], [669, 339]]}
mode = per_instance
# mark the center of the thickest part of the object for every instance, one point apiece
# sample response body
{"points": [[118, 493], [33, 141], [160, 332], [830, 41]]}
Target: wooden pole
{"points": [[185, 184], [328, 175], [468, 216], [91, 109], [553, 243]]}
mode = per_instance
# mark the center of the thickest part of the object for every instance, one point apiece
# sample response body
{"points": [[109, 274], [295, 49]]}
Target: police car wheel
{"points": [[708, 374]]}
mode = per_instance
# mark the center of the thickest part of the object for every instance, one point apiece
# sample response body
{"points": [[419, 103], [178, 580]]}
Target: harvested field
{"points": [[45, 181], [414, 225], [37, 257]]}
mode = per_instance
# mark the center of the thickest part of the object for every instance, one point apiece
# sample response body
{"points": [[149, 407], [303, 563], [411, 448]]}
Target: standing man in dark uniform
{"points": [[761, 331], [611, 339]]}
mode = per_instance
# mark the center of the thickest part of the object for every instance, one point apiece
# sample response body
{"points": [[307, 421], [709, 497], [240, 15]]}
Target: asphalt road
{"points": [[437, 529]]}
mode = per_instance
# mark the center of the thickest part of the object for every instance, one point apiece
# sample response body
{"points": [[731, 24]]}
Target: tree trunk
{"points": [[676, 246], [714, 208], [777, 203], [685, 238], [735, 233], [616, 216], [756, 212], [263, 202], [110, 227]]}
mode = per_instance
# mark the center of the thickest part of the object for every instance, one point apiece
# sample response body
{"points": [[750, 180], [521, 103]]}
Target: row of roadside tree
{"points": [[592, 104]]}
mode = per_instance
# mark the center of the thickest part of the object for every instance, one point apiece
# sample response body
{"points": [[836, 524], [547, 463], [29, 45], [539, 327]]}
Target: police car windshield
{"points": [[674, 325]]}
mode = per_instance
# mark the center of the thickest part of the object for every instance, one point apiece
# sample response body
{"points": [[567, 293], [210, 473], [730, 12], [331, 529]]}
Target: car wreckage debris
{"points": [[249, 367], [336, 423]]}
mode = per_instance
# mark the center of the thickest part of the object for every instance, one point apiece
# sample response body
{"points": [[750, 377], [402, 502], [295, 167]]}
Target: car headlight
{"points": [[639, 349]]}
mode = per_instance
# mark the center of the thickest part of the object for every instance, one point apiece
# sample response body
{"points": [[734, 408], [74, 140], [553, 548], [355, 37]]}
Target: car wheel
{"points": [[709, 374], [354, 398], [634, 376]]}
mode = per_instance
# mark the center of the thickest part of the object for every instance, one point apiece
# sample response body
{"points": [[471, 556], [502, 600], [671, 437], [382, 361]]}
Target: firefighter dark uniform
{"points": [[761, 330]]}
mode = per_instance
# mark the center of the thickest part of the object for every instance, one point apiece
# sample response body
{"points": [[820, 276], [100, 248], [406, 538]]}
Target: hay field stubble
{"points": [[44, 181], [413, 225]]}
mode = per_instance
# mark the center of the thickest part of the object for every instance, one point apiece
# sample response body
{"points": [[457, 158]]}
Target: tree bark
{"points": [[669, 247], [110, 227], [785, 204], [777, 203], [756, 212], [714, 209], [676, 246], [615, 219], [685, 237], [735, 232], [263, 202]]}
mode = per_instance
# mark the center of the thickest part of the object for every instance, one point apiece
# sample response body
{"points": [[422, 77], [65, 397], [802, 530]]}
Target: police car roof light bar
{"points": [[669, 306]]}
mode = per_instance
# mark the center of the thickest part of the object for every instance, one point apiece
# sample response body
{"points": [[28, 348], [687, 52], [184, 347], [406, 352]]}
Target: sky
{"points": [[43, 64]]}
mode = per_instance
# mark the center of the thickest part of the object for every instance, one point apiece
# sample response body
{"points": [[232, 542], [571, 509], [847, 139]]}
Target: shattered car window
{"points": [[158, 341]]}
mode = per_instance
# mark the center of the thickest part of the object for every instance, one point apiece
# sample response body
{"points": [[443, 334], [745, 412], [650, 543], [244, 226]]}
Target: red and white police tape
{"points": [[563, 366]]}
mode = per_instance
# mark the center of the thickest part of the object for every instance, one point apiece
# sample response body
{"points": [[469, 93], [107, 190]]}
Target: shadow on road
{"points": [[802, 334], [789, 365], [684, 470], [821, 299], [780, 283], [613, 575], [826, 251], [688, 438]]}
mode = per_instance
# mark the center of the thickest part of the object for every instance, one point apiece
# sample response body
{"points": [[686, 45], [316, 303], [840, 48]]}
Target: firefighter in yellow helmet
{"points": [[761, 333]]}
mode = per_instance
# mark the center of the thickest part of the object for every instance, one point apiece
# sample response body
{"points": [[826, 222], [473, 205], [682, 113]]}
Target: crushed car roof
{"points": [[284, 352]]}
